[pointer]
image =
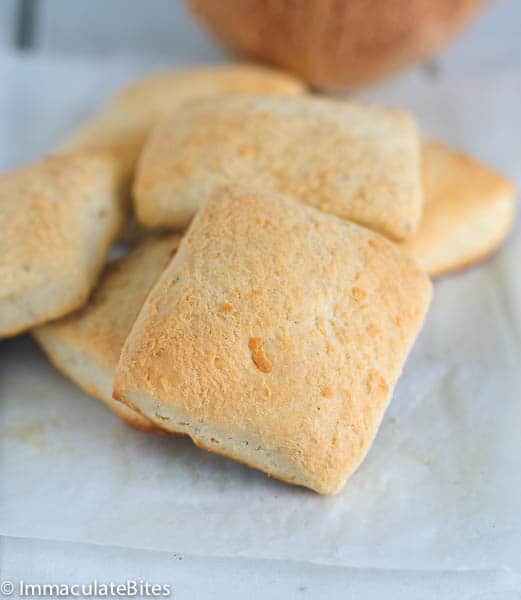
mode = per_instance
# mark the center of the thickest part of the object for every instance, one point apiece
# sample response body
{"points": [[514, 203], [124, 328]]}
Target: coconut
{"points": [[336, 44]]}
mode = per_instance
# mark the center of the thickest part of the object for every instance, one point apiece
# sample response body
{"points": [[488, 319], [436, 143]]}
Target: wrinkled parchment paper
{"points": [[441, 487]]}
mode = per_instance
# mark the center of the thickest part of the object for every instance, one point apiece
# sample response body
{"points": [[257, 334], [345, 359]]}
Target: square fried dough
{"points": [[469, 210], [357, 162], [86, 345], [275, 337], [58, 219], [124, 124]]}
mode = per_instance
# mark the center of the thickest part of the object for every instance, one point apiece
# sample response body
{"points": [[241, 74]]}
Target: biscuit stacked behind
{"points": [[58, 219], [468, 211], [86, 346], [357, 162], [123, 126], [277, 331]]}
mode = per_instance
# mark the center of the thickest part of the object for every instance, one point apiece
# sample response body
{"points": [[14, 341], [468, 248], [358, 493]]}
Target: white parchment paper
{"points": [[441, 487]]}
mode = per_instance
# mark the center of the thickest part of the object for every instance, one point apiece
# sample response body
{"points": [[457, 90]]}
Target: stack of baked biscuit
{"points": [[270, 315]]}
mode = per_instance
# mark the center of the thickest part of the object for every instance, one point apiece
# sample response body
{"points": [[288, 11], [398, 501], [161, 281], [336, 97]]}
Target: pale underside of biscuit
{"points": [[58, 219], [86, 345], [275, 337], [124, 124], [468, 211], [357, 162]]}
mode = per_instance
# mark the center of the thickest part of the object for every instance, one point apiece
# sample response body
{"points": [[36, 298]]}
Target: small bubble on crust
{"points": [[227, 307], [327, 391], [258, 355], [359, 294]]}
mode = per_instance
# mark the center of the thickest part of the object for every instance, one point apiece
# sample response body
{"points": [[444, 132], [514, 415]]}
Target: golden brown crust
{"points": [[124, 124], [333, 44], [332, 307], [469, 210], [357, 162], [86, 345], [58, 218]]}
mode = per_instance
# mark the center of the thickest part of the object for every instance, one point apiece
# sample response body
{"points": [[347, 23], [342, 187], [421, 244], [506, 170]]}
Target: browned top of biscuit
{"points": [[48, 211], [357, 162], [280, 324]]}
